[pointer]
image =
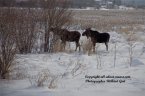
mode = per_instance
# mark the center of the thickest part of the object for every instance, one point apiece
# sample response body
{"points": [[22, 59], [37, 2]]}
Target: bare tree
{"points": [[26, 34], [7, 42], [56, 14]]}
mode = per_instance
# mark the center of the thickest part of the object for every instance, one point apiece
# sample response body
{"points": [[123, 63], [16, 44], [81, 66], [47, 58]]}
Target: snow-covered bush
{"points": [[39, 79]]}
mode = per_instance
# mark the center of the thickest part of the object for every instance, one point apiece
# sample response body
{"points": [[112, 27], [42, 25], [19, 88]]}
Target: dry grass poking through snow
{"points": [[106, 20]]}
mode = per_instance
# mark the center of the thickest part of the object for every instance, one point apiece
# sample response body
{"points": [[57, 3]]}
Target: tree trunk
{"points": [[46, 40]]}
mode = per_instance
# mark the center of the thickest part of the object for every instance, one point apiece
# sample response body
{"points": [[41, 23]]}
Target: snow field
{"points": [[67, 71]]}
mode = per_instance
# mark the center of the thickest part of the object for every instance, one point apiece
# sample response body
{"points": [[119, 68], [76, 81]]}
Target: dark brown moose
{"points": [[65, 35], [97, 37]]}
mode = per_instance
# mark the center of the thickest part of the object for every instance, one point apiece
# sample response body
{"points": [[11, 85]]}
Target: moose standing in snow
{"points": [[65, 35], [97, 37]]}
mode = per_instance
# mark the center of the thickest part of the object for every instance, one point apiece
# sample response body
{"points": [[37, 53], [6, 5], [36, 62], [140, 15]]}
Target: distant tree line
{"points": [[29, 3], [72, 3], [83, 3], [41, 3]]}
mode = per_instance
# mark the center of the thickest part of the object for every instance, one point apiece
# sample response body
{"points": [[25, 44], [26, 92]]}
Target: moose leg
{"points": [[94, 44], [77, 45], [63, 45], [106, 43]]}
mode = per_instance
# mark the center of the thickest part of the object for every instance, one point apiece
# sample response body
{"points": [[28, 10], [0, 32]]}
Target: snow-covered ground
{"points": [[68, 73]]}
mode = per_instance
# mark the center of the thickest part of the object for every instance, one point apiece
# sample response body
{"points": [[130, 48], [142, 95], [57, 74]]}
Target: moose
{"points": [[97, 37], [65, 35]]}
